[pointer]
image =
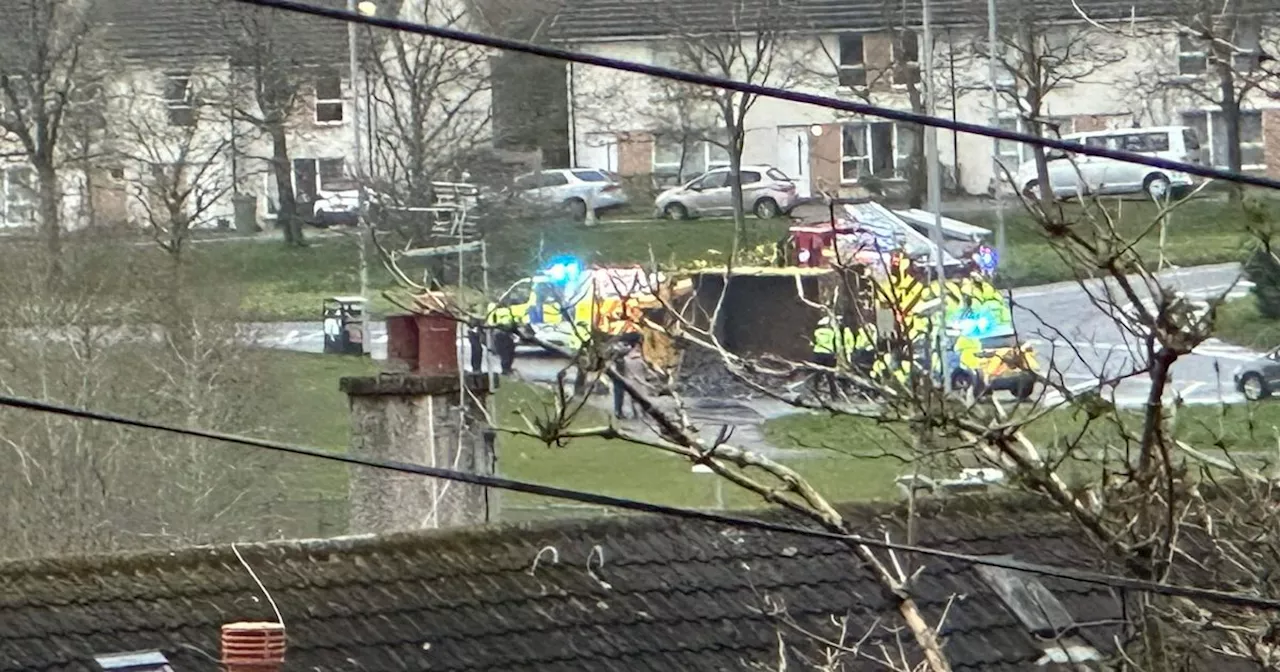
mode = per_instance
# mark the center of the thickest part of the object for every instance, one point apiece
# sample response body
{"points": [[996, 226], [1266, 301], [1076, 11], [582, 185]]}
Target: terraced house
{"points": [[237, 108], [1070, 67]]}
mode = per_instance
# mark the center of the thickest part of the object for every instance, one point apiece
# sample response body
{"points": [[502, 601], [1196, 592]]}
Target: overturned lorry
{"points": [[866, 265]]}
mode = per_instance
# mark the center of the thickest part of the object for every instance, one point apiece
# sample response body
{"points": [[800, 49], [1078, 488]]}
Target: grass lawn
{"points": [[312, 411], [279, 283], [1241, 428], [1240, 322]]}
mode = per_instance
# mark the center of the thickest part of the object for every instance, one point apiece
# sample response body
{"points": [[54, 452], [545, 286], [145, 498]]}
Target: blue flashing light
{"points": [[987, 259], [976, 324], [562, 270]]}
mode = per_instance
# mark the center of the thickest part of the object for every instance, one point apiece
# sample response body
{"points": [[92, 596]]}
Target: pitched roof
{"points": [[182, 30], [619, 19], [624, 593]]}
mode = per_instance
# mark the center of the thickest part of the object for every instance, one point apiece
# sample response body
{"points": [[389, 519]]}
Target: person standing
{"points": [[824, 353]]}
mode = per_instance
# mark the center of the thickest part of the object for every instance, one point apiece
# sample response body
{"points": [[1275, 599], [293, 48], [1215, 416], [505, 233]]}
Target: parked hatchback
{"points": [[766, 191], [1078, 174], [573, 189], [1259, 378]]}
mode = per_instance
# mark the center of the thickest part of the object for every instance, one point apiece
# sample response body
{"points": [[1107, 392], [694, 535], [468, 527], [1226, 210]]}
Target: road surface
{"points": [[1086, 343], [1061, 320]]}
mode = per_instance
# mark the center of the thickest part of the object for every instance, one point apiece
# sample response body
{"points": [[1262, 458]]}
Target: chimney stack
{"points": [[253, 647]]}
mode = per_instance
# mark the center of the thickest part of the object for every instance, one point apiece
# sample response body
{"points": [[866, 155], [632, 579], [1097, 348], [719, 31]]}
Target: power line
{"points": [[761, 90], [500, 483]]}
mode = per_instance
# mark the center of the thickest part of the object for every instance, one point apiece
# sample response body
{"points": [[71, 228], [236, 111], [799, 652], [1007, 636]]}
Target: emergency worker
{"points": [[864, 347], [502, 322], [824, 351], [888, 367]]}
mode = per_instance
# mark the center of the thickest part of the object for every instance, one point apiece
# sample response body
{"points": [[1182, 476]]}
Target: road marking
{"points": [[1186, 391]]}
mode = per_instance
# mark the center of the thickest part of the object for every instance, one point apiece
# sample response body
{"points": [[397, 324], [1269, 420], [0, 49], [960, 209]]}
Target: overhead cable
{"points": [[500, 483], [699, 79]]}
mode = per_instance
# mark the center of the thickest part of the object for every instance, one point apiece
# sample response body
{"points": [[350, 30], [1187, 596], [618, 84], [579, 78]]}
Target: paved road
{"points": [[1086, 343], [1061, 320]]}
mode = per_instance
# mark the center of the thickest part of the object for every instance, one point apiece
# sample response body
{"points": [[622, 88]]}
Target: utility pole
{"points": [[353, 63], [992, 69], [935, 196]]}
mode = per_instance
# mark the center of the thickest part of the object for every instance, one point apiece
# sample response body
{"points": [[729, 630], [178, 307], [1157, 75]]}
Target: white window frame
{"points": [[329, 103], [12, 197], [177, 106], [1207, 142], [860, 66], [706, 147], [269, 181], [1198, 53], [1066, 126], [900, 160]]}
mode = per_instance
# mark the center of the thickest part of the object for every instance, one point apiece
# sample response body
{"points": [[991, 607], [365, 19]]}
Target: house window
{"points": [[676, 163], [881, 149], [177, 98], [1212, 126], [853, 63], [1245, 59], [17, 186], [1038, 609], [1011, 154], [909, 59], [309, 177], [1192, 59], [329, 105], [331, 171]]}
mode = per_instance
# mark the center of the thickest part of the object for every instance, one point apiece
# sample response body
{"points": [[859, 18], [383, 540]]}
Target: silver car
{"points": [[573, 188], [1260, 378], [766, 191]]}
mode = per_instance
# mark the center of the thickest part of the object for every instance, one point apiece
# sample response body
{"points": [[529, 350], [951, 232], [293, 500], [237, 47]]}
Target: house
{"points": [[1126, 66], [182, 83], [617, 593]]}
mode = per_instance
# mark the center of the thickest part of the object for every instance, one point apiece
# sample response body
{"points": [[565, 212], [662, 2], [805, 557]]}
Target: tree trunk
{"points": [[50, 215], [735, 188], [287, 214], [1230, 118]]}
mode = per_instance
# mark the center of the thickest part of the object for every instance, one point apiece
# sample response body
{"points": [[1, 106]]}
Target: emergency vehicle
{"points": [[563, 296], [900, 266]]}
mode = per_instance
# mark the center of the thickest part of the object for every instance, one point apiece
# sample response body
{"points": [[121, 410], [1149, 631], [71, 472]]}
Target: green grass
{"points": [[1240, 322], [1241, 428], [313, 411], [279, 283]]}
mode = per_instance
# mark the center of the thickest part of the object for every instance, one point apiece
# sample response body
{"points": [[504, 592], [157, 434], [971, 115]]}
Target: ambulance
{"points": [[608, 301]]}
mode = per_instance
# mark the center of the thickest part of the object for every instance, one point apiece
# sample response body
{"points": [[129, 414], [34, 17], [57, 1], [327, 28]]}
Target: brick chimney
{"points": [[253, 647]]}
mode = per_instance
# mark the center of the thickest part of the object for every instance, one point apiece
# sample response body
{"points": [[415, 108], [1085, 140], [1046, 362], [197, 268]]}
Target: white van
{"points": [[1079, 174]]}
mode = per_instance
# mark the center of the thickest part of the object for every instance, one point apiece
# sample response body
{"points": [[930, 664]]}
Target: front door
{"points": [[793, 156]]}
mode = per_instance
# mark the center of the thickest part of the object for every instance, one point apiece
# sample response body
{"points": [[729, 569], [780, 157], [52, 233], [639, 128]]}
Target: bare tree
{"points": [[1210, 55], [77, 488], [45, 67], [274, 66], [430, 98], [884, 68], [178, 159], [748, 48], [1041, 58]]}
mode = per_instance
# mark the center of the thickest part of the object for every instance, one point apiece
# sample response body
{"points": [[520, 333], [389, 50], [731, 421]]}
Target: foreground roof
{"points": [[624, 593]]}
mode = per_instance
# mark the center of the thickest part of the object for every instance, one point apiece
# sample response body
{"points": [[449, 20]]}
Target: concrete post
{"points": [[417, 419]]}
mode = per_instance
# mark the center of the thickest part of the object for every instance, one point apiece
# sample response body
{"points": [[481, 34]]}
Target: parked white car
{"points": [[1070, 175], [766, 191], [574, 189], [340, 203]]}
